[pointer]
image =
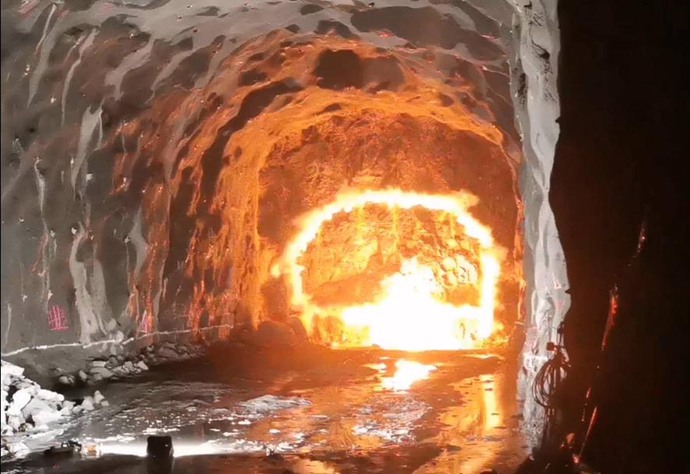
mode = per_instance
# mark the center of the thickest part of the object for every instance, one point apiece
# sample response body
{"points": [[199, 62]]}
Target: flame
{"points": [[406, 373], [409, 313]]}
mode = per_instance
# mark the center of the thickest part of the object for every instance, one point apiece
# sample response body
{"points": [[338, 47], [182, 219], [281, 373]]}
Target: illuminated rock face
{"points": [[156, 154]]}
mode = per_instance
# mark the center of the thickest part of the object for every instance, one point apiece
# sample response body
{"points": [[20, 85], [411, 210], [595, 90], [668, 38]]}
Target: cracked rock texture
{"points": [[155, 155]]}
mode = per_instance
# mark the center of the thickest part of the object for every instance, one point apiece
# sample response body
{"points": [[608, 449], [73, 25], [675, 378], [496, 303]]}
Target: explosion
{"points": [[409, 312]]}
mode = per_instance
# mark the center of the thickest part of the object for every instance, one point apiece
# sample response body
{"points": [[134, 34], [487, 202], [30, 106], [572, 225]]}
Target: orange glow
{"points": [[407, 373], [408, 313]]}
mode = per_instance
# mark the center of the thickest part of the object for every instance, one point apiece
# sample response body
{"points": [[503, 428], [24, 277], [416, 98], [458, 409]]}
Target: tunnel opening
{"points": [[375, 288], [349, 176]]}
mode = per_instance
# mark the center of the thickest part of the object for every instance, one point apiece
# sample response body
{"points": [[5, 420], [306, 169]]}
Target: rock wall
{"points": [[546, 298], [154, 155]]}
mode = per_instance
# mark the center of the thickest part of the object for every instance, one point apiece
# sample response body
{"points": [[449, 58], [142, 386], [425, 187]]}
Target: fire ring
{"points": [[457, 205]]}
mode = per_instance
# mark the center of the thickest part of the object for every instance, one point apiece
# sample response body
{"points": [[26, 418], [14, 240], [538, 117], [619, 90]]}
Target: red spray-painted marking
{"points": [[57, 319]]}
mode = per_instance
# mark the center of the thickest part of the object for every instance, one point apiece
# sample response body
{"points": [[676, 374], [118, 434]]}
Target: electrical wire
{"points": [[549, 378]]}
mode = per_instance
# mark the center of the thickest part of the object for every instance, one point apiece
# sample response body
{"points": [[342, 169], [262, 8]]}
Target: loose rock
{"points": [[102, 371], [87, 404], [98, 397]]}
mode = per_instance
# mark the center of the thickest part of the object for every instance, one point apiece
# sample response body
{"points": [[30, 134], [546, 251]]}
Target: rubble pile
{"points": [[115, 367], [27, 408]]}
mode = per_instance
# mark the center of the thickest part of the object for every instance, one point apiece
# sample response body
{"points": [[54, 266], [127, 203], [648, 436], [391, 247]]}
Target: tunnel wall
{"points": [[536, 99], [621, 203], [118, 121], [102, 113]]}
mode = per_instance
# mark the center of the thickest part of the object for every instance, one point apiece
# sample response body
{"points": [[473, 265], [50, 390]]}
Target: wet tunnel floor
{"points": [[305, 410]]}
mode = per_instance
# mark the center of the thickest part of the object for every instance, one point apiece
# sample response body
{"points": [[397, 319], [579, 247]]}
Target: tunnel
{"points": [[289, 197]]}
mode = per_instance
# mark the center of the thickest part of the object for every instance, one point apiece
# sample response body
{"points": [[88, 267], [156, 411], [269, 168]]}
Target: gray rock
{"points": [[105, 403], [119, 371], [9, 369], [112, 362], [96, 378], [41, 412], [102, 371], [15, 422], [65, 380], [273, 333], [18, 449], [21, 398], [82, 376], [167, 353], [44, 417], [67, 407], [128, 366], [87, 404], [98, 363], [49, 396], [98, 397], [142, 365]]}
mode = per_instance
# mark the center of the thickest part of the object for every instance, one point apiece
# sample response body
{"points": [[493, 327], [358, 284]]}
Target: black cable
{"points": [[549, 378]]}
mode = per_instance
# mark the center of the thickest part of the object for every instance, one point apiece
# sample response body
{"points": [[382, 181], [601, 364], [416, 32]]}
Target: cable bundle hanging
{"points": [[551, 374], [549, 377]]}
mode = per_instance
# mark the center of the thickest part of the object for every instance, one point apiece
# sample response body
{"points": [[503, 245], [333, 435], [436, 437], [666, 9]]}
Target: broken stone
{"points": [[49, 395], [142, 365], [87, 404], [82, 376], [43, 417], [15, 422], [98, 397], [167, 353], [41, 412], [102, 371], [119, 371], [9, 369], [18, 449], [105, 403], [112, 362], [96, 377], [21, 398], [98, 363]]}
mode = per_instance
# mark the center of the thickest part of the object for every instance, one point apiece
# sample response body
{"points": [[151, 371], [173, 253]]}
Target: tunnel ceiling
{"points": [[158, 156]]}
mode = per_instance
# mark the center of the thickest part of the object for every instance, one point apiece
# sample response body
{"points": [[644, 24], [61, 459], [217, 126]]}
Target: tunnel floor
{"points": [[304, 410]]}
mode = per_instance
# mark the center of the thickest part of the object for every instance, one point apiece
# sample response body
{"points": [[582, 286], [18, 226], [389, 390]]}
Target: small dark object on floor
{"points": [[67, 448], [159, 447], [159, 455]]}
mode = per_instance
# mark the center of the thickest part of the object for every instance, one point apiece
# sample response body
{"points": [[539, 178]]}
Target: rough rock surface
{"points": [[230, 126], [32, 409], [245, 126], [534, 72]]}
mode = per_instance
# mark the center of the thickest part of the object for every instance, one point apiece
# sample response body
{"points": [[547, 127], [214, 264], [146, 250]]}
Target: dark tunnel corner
{"points": [[619, 195]]}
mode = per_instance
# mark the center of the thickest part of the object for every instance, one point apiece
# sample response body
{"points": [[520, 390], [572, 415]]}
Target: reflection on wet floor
{"points": [[406, 373], [425, 413]]}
